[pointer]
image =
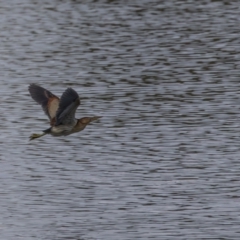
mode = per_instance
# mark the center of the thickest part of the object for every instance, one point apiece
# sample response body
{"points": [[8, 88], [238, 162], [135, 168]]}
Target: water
{"points": [[163, 162]]}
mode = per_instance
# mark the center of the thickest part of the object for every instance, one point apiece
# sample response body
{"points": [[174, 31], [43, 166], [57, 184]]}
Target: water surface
{"points": [[163, 162]]}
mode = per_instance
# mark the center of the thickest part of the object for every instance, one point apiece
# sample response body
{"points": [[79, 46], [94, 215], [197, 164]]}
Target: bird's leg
{"points": [[35, 135]]}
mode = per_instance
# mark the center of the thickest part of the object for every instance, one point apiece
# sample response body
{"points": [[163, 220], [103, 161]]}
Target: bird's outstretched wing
{"points": [[46, 99], [68, 105]]}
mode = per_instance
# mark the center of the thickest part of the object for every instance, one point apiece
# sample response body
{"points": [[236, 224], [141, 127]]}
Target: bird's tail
{"points": [[35, 135]]}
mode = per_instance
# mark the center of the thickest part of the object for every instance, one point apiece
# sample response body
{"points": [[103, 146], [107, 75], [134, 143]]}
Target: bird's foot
{"points": [[35, 135]]}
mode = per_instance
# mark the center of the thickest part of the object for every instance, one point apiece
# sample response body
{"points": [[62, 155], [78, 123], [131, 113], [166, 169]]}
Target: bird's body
{"points": [[61, 112]]}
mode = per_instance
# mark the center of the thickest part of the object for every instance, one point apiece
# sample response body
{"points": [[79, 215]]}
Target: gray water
{"points": [[163, 162]]}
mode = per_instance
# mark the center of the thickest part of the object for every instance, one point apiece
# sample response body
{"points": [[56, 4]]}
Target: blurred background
{"points": [[163, 162]]}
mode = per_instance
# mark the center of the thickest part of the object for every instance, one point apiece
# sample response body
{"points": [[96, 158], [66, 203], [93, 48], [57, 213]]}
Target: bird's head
{"points": [[83, 122]]}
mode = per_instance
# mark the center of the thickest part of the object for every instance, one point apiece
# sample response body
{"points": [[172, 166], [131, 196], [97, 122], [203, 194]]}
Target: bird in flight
{"points": [[61, 112]]}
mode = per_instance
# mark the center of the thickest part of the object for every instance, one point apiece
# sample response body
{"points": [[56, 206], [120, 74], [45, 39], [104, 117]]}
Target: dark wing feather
{"points": [[68, 105], [46, 99]]}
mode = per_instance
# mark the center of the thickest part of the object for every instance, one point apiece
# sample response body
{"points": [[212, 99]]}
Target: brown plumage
{"points": [[61, 112]]}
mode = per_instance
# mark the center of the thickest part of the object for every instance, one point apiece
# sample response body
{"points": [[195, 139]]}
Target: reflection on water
{"points": [[163, 161]]}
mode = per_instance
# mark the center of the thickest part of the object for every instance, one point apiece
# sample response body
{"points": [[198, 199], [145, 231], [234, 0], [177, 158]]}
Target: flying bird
{"points": [[61, 112]]}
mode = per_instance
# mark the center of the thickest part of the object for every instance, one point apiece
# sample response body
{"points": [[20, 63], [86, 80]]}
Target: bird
{"points": [[61, 112]]}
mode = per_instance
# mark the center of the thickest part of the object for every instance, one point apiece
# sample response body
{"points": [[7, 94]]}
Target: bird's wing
{"points": [[68, 105], [46, 99]]}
